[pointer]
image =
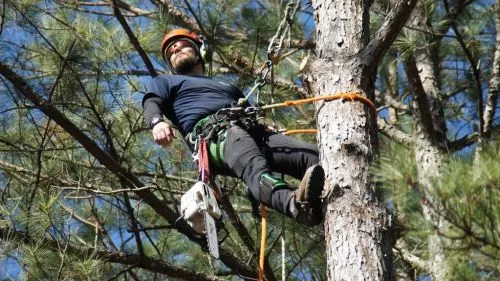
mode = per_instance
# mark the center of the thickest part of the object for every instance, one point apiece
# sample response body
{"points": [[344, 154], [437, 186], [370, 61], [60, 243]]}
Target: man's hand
{"points": [[163, 134]]}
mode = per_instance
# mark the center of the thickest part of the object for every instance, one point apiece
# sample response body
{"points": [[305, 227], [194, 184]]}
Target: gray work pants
{"points": [[249, 153]]}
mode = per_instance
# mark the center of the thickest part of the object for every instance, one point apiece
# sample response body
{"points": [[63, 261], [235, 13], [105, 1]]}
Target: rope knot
{"points": [[350, 96]]}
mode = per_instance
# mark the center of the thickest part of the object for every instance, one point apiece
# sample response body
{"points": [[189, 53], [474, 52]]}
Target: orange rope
{"points": [[263, 237], [351, 96], [300, 131]]}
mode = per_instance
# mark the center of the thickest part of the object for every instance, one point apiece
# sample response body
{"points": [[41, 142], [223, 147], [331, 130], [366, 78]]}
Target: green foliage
{"points": [[468, 197]]}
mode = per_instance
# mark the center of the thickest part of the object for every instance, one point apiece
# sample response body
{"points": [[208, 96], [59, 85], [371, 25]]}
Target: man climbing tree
{"points": [[243, 148]]}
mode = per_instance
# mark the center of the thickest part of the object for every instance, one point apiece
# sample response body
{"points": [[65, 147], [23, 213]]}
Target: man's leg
{"points": [[243, 158], [288, 155], [298, 159]]}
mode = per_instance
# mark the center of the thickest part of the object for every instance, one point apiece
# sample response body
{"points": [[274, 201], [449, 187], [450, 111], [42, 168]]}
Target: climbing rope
{"points": [[263, 237], [351, 96], [274, 49], [299, 131]]}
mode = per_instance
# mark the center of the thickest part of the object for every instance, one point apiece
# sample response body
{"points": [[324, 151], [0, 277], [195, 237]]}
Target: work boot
{"points": [[305, 206]]}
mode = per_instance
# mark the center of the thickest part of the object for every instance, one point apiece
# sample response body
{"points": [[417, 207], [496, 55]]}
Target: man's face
{"points": [[182, 55]]}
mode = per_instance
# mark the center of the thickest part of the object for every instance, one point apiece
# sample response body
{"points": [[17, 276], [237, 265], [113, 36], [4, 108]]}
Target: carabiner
{"points": [[267, 67]]}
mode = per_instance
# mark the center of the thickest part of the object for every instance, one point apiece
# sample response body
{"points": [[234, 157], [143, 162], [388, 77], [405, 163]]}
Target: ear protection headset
{"points": [[201, 45], [205, 50]]}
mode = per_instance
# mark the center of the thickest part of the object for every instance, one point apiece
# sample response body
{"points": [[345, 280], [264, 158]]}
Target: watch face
{"points": [[155, 121]]}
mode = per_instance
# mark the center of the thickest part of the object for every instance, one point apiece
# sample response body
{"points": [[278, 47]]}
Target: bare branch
{"points": [[394, 133], [132, 38], [408, 257], [388, 100], [387, 33], [463, 142], [132, 11], [420, 97]]}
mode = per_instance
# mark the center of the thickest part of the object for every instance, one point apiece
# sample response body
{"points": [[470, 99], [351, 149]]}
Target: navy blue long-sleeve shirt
{"points": [[185, 100]]}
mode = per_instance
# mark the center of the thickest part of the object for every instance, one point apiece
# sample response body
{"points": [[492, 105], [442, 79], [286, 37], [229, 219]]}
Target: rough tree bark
{"points": [[358, 247]]}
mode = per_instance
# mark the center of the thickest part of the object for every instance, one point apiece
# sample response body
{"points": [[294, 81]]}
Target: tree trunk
{"points": [[430, 162], [354, 220], [430, 135]]}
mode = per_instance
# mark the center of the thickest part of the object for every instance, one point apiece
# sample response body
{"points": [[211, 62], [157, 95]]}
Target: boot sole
{"points": [[315, 181]]}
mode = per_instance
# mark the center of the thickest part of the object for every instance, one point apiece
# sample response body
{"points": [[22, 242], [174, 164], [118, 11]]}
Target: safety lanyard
{"points": [[203, 161]]}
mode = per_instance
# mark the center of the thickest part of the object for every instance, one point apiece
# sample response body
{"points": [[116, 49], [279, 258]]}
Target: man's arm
{"points": [[163, 133]]}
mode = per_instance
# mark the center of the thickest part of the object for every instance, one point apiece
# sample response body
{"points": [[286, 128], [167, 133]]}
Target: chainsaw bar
{"points": [[211, 231]]}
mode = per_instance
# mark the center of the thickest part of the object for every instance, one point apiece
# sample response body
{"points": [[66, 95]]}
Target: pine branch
{"points": [[392, 132], [133, 221], [473, 65], [132, 11], [150, 264], [387, 33], [463, 142], [132, 38], [93, 225], [390, 101], [177, 16], [408, 257]]}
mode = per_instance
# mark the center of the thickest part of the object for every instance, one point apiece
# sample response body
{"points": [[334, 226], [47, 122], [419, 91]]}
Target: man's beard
{"points": [[185, 64]]}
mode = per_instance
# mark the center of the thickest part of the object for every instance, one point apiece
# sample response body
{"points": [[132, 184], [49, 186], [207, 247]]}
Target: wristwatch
{"points": [[155, 121]]}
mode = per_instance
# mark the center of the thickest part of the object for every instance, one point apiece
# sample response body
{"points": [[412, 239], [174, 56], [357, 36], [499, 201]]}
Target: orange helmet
{"points": [[177, 34]]}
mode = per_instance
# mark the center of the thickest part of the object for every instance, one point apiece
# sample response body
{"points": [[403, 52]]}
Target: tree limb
{"points": [[394, 133], [463, 142], [387, 33], [408, 257], [385, 99], [419, 95], [473, 65], [132, 38]]}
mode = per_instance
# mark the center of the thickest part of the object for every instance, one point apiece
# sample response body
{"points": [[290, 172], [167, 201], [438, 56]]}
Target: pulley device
{"points": [[199, 206]]}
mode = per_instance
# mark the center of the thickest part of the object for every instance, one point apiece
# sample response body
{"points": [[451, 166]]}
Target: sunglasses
{"points": [[179, 44]]}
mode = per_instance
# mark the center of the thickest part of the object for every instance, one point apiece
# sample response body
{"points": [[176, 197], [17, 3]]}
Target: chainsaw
{"points": [[200, 210]]}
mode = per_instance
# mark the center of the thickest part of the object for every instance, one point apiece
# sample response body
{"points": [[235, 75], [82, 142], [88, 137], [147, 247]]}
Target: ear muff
{"points": [[205, 51]]}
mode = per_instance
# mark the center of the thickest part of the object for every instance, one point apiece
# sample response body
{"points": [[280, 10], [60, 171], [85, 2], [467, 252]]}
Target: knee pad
{"points": [[269, 184]]}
